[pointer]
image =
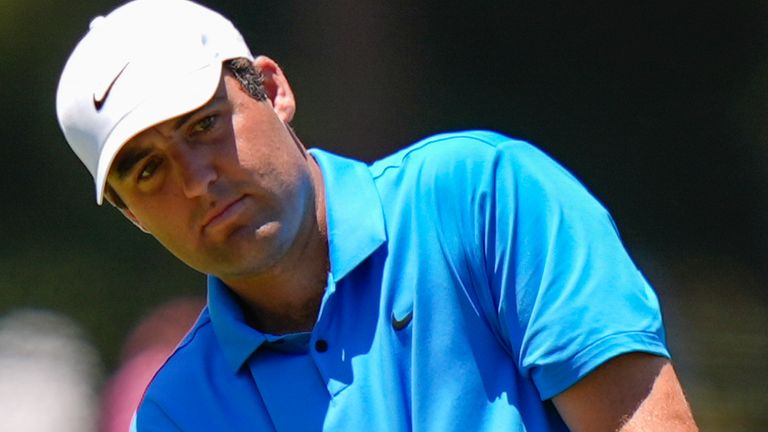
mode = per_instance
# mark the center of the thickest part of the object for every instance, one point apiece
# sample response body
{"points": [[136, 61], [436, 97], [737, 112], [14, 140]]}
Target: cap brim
{"points": [[188, 93]]}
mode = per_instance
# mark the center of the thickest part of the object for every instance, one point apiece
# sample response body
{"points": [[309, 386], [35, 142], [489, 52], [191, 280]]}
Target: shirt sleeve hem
{"points": [[555, 378]]}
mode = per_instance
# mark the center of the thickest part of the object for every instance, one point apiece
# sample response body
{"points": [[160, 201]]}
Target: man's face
{"points": [[226, 188]]}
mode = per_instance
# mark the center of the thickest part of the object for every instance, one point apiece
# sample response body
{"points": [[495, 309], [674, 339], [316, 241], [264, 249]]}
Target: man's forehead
{"points": [[145, 137]]}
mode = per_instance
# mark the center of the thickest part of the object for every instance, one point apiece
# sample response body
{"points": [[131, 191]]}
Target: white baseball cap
{"points": [[146, 62]]}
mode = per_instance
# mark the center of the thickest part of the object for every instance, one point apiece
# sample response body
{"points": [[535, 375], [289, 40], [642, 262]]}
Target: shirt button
{"points": [[321, 346]]}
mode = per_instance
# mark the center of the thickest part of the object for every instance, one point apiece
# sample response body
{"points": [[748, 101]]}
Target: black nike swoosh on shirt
{"points": [[98, 103], [399, 324]]}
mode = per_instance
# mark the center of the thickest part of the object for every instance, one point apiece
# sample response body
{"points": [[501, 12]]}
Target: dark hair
{"points": [[251, 81]]}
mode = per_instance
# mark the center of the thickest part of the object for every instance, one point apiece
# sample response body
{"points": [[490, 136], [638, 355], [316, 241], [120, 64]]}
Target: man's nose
{"points": [[196, 170]]}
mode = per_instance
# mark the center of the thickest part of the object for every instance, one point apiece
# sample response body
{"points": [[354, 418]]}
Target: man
{"points": [[467, 282]]}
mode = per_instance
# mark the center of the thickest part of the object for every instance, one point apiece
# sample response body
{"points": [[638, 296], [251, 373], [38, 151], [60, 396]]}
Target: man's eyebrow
{"points": [[185, 117], [128, 160]]}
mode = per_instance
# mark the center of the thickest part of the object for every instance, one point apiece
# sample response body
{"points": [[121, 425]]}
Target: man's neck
{"points": [[287, 302], [288, 298]]}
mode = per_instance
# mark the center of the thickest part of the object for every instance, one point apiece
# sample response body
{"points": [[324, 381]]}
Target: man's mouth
{"points": [[223, 213]]}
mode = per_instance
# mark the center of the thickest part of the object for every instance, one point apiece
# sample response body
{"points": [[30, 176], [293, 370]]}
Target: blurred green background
{"points": [[660, 108]]}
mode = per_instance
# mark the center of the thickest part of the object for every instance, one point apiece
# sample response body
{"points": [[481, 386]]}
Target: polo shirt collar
{"points": [[237, 339], [355, 230], [353, 207]]}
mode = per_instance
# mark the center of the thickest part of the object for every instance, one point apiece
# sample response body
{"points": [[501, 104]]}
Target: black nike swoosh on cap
{"points": [[399, 324], [98, 103]]}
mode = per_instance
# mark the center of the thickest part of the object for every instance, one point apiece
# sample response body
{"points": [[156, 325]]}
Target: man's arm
{"points": [[632, 392]]}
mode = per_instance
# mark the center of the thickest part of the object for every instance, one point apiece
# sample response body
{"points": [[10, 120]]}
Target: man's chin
{"points": [[247, 252]]}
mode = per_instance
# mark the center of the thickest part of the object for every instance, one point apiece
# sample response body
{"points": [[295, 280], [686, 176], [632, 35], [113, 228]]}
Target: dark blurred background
{"points": [[660, 108]]}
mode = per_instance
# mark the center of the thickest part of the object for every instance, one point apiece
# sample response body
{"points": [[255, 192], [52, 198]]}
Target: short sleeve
{"points": [[567, 293]]}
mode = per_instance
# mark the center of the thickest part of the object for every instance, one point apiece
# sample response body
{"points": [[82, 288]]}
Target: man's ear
{"points": [[278, 90], [131, 217]]}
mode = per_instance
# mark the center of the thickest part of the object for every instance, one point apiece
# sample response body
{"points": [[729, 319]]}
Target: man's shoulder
{"points": [[465, 137], [184, 359], [446, 148]]}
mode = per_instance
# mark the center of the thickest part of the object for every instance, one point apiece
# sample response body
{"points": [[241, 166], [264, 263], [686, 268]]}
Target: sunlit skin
{"points": [[231, 191]]}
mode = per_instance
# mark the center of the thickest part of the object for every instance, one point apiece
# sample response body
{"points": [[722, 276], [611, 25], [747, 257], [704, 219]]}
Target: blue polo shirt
{"points": [[472, 279]]}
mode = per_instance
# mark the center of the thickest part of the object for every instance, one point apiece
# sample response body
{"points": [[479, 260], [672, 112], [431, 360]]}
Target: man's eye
{"points": [[149, 168], [204, 125]]}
